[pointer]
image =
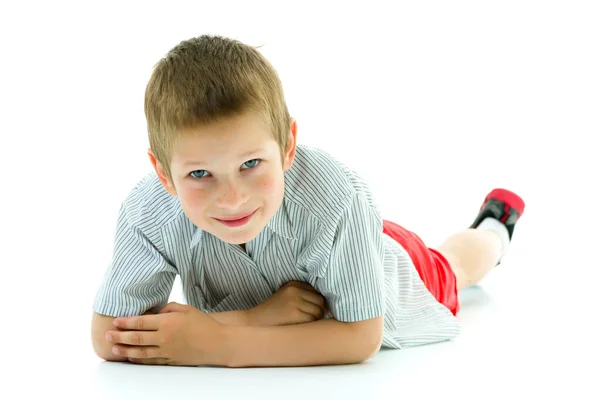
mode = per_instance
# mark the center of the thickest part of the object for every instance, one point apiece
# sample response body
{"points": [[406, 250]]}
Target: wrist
{"points": [[257, 317]]}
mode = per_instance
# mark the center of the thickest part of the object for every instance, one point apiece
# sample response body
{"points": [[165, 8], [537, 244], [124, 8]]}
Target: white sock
{"points": [[492, 224]]}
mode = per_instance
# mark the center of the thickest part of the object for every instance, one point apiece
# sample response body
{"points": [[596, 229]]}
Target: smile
{"points": [[236, 221]]}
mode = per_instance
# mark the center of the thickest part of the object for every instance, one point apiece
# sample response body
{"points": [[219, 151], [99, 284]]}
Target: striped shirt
{"points": [[328, 232]]}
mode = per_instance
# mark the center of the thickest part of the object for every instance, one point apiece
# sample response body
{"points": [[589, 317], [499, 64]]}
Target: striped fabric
{"points": [[327, 232]]}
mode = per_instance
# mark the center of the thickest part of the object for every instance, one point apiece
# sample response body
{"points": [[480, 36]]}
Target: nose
{"points": [[231, 195]]}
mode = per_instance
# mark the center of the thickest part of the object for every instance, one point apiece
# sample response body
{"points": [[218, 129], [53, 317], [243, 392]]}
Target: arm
{"points": [[352, 281], [138, 278], [236, 317], [104, 323], [323, 342]]}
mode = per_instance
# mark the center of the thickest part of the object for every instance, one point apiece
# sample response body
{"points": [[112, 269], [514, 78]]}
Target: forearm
{"points": [[323, 342]]}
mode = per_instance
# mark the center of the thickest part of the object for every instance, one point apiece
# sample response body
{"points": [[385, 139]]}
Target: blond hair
{"points": [[207, 78]]}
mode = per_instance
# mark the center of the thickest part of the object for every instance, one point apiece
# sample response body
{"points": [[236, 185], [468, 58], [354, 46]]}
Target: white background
{"points": [[435, 103]]}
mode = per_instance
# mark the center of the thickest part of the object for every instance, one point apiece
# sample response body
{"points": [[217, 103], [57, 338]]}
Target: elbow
{"points": [[372, 351], [370, 337], [371, 348], [101, 346], [104, 351]]}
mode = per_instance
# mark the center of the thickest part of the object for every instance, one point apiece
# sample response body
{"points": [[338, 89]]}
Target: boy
{"points": [[282, 253]]}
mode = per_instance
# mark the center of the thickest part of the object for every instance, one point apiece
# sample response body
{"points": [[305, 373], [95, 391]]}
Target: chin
{"points": [[247, 238], [237, 238]]}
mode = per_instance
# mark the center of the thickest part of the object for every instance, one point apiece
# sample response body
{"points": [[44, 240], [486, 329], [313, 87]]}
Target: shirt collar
{"points": [[281, 222], [196, 237]]}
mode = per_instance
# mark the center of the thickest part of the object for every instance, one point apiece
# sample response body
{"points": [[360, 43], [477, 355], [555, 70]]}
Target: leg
{"points": [[472, 253], [467, 256]]}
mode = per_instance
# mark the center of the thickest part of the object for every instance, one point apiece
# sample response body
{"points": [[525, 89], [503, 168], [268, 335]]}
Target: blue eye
{"points": [[193, 173], [202, 173], [252, 163]]}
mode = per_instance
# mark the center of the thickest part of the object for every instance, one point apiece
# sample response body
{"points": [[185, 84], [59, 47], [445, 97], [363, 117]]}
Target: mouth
{"points": [[236, 220]]}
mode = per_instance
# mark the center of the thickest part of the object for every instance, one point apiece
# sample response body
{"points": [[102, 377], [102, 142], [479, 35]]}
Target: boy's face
{"points": [[229, 170]]}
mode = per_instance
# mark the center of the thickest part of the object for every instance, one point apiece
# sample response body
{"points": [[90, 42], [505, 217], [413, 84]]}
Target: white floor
{"points": [[434, 103], [529, 330], [519, 341]]}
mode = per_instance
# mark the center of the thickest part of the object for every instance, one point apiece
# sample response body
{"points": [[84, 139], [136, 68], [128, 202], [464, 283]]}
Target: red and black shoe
{"points": [[503, 205]]}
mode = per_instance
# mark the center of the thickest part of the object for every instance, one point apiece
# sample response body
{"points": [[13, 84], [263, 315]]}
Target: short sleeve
{"points": [[139, 278], [354, 279]]}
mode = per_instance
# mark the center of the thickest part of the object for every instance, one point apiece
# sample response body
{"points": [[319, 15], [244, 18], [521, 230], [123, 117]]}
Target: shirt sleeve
{"points": [[353, 281], [139, 278]]}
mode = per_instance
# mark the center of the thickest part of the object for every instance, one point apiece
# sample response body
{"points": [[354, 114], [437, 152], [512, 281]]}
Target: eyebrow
{"points": [[244, 155]]}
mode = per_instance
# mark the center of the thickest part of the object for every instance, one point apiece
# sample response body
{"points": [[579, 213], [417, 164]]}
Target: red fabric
{"points": [[433, 268]]}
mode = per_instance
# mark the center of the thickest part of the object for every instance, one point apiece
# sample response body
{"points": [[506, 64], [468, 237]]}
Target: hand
{"points": [[178, 335], [294, 303]]}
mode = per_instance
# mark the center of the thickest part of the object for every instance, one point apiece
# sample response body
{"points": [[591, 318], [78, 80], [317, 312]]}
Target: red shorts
{"points": [[433, 268]]}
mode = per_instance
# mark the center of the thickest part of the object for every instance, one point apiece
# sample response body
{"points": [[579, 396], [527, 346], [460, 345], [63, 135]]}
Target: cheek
{"points": [[270, 184], [193, 199]]}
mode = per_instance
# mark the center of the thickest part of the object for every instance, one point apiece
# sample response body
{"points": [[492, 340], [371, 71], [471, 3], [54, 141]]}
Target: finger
{"points": [[149, 361], [134, 338], [307, 286], [173, 307], [312, 309], [138, 323], [137, 351], [299, 285], [314, 298]]}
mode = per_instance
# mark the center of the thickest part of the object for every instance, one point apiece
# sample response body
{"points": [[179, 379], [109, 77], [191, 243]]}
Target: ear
{"points": [[290, 152], [162, 175]]}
